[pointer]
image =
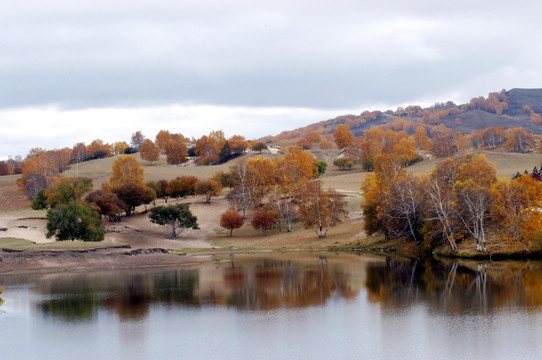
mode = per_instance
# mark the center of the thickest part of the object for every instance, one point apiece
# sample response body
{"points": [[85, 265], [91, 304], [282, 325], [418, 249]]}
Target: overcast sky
{"points": [[75, 71]]}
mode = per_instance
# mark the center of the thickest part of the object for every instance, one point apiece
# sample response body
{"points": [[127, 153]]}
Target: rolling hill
{"points": [[471, 117]]}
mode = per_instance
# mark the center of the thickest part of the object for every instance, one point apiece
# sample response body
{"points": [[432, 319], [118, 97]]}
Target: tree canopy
{"points": [[74, 221], [178, 217]]}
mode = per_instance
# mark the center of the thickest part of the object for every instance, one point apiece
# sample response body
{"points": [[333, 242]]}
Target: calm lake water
{"points": [[280, 306]]}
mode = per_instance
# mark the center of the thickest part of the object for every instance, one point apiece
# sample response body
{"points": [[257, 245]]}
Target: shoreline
{"points": [[26, 261]]}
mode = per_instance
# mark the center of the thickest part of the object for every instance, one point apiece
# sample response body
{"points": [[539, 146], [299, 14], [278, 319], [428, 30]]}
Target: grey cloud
{"points": [[305, 53]]}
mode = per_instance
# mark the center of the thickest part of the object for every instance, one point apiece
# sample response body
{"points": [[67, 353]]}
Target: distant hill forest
{"points": [[509, 109]]}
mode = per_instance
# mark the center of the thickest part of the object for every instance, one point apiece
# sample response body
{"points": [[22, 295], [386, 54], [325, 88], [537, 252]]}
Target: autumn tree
{"points": [[238, 144], [262, 172], [39, 171], [319, 209], [105, 203], [126, 170], [178, 217], [137, 139], [421, 140], [132, 195], [163, 184], [263, 220], [304, 144], [149, 151], [176, 152], [444, 142], [516, 209], [402, 211], [79, 152], [344, 163], [473, 197], [325, 144], [162, 138], [343, 137], [292, 171], [241, 196], [231, 220], [119, 147], [440, 200], [210, 188], [98, 149], [376, 188], [67, 190], [182, 186], [313, 138], [519, 140]]}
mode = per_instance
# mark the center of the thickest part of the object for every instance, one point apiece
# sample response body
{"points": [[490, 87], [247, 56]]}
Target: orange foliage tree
{"points": [[162, 139], [210, 188], [231, 220], [263, 220], [343, 137], [149, 151], [176, 152]]}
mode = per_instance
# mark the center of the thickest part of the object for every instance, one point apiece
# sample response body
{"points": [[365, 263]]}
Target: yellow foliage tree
{"points": [[126, 170], [516, 209]]}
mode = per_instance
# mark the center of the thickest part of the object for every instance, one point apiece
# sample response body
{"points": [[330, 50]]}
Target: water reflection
{"points": [[287, 281], [455, 286], [246, 283]]}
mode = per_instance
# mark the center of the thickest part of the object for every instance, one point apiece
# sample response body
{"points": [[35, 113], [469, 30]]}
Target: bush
{"points": [[344, 163]]}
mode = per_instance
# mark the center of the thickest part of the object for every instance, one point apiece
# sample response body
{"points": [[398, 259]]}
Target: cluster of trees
{"points": [[69, 217], [282, 190], [460, 200], [496, 102], [215, 148]]}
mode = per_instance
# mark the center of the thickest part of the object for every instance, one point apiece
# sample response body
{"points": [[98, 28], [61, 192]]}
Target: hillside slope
{"points": [[471, 118]]}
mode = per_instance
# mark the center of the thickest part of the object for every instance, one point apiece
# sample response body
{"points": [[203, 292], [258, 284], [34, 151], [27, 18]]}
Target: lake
{"points": [[279, 306]]}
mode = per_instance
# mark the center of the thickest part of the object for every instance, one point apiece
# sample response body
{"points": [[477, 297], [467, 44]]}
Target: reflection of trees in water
{"points": [[257, 284], [455, 287], [128, 295], [272, 284]]}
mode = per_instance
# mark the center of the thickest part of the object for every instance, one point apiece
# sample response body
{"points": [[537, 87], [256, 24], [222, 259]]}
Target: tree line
{"points": [[461, 200]]}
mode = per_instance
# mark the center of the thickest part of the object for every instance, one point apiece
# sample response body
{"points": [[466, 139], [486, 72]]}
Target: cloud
{"points": [[242, 53], [76, 71]]}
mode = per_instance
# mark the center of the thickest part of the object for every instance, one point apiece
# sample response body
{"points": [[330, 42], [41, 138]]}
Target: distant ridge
{"points": [[471, 118]]}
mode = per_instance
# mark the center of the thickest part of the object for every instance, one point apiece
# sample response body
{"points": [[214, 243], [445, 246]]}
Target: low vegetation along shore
{"points": [[410, 186]]}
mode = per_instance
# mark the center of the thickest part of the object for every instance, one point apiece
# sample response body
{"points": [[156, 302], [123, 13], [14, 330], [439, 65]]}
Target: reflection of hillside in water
{"points": [[455, 287], [258, 284]]}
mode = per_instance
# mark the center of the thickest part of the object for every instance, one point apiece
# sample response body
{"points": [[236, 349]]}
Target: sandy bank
{"points": [[73, 260]]}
